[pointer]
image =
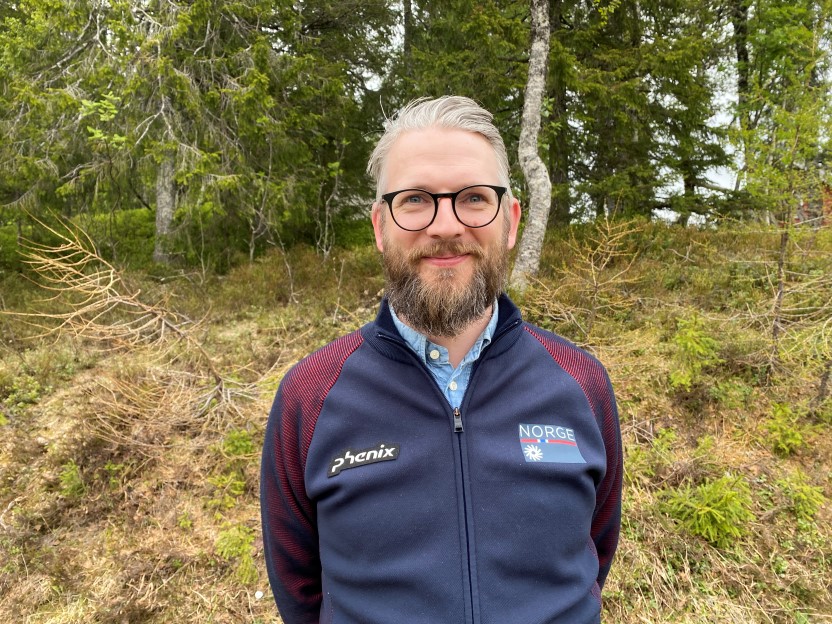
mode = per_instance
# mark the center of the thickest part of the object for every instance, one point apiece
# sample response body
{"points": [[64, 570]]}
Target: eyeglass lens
{"points": [[475, 206]]}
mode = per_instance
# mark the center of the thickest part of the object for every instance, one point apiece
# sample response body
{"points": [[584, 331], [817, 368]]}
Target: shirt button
{"points": [[434, 354], [452, 385]]}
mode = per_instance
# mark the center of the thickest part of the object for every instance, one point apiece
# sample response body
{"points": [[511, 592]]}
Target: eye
{"points": [[412, 200], [475, 197]]}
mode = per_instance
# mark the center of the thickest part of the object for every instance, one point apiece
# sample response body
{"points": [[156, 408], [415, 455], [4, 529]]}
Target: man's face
{"points": [[443, 278]]}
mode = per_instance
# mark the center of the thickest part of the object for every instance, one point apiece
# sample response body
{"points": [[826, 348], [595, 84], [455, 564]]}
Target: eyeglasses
{"points": [[473, 206]]}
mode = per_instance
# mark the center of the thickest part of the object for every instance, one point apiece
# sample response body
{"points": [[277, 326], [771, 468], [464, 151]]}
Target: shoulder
{"points": [[569, 355], [301, 395], [306, 385], [320, 370], [579, 364]]}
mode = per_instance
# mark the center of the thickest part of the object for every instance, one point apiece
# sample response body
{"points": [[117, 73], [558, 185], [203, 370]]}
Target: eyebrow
{"points": [[429, 188]]}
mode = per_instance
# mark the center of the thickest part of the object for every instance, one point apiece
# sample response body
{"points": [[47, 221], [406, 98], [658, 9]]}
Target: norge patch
{"points": [[549, 443]]}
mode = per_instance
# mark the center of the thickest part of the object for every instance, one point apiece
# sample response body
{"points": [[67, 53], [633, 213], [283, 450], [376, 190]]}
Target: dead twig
{"points": [[100, 305]]}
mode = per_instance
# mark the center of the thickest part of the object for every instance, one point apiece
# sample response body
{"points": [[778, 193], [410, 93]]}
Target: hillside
{"points": [[129, 453]]}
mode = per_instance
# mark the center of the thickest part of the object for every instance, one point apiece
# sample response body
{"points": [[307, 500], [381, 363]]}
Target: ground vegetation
{"points": [[133, 407]]}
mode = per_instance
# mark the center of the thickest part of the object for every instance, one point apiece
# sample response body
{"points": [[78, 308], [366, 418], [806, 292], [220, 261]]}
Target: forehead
{"points": [[440, 159]]}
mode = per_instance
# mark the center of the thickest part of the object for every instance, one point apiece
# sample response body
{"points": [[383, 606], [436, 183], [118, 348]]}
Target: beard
{"points": [[439, 303]]}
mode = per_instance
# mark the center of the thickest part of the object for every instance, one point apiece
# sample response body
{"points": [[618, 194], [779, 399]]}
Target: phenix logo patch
{"points": [[549, 443], [350, 458]]}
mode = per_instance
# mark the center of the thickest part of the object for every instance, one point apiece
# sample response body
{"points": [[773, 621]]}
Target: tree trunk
{"points": [[689, 184], [559, 151], [165, 200], [739, 23], [534, 170], [777, 308], [823, 386], [407, 10]]}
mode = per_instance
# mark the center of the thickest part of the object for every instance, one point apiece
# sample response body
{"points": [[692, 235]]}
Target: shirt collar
{"points": [[420, 344]]}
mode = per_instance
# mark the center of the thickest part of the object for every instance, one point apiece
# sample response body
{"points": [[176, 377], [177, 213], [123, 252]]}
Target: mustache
{"points": [[445, 248]]}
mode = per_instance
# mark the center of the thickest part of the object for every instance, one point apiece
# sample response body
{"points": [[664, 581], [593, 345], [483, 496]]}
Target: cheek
{"points": [[494, 238], [394, 239], [390, 238]]}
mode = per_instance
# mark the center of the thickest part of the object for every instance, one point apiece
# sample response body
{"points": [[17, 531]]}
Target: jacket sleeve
{"points": [[606, 521], [290, 536], [290, 529], [596, 386]]}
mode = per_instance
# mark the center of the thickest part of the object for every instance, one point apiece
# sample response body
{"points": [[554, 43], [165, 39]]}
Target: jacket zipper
{"points": [[459, 430], [469, 564], [457, 420]]}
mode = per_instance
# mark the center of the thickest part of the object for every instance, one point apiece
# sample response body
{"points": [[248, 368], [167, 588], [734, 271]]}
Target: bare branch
{"points": [[100, 305]]}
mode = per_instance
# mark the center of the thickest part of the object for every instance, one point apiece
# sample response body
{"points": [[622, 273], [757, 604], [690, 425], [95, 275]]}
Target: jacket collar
{"points": [[384, 337]]}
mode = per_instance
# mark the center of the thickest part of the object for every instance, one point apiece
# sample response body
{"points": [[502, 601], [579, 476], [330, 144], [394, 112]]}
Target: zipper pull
{"points": [[457, 420]]}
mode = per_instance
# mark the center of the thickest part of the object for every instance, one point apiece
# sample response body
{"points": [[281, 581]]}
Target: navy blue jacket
{"points": [[381, 503]]}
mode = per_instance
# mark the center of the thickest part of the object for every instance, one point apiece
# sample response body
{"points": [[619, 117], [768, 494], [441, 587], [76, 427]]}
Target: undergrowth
{"points": [[129, 472]]}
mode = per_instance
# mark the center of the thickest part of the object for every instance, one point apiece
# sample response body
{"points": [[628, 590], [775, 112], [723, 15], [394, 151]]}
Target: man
{"points": [[447, 463]]}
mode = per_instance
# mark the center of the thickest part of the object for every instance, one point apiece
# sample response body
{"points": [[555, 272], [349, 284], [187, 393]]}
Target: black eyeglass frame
{"points": [[500, 190]]}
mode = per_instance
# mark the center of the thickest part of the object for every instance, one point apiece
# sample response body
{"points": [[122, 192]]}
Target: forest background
{"points": [[183, 215]]}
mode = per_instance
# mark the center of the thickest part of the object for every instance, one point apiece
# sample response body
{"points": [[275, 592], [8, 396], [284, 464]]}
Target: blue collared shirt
{"points": [[452, 381]]}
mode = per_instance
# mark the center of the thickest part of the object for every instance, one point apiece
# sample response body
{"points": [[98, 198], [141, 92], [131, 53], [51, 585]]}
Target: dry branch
{"points": [[100, 305], [147, 414], [595, 283]]}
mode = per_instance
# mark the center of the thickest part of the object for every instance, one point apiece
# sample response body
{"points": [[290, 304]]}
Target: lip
{"points": [[445, 261]]}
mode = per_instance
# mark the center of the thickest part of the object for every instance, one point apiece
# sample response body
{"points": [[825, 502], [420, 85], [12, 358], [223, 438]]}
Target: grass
{"points": [[129, 475]]}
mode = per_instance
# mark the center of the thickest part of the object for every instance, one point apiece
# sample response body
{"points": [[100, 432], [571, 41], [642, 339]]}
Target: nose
{"points": [[445, 225]]}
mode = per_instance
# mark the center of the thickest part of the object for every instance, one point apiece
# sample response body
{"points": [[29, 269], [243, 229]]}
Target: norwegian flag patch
{"points": [[549, 443]]}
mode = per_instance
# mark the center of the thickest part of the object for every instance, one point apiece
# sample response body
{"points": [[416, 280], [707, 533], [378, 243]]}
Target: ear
{"points": [[514, 213], [376, 218]]}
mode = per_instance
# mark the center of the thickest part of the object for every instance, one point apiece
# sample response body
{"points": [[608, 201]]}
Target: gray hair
{"points": [[449, 111]]}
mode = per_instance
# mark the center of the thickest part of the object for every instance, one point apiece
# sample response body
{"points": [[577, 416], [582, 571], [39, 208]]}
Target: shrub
{"points": [[716, 510], [353, 231], [785, 434], [238, 443], [234, 542], [229, 487], [645, 463], [731, 393], [184, 521], [115, 475], [22, 390], [805, 500], [695, 350], [823, 411], [125, 236], [72, 483], [10, 258]]}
